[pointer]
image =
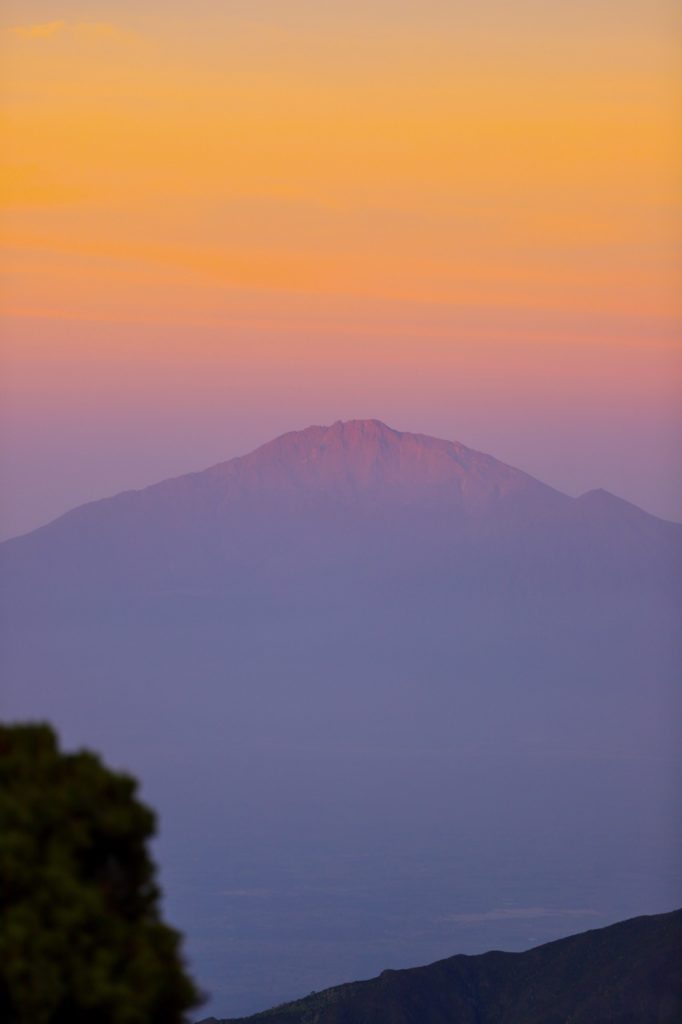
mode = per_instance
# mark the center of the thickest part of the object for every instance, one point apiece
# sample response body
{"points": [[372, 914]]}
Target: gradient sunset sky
{"points": [[225, 220]]}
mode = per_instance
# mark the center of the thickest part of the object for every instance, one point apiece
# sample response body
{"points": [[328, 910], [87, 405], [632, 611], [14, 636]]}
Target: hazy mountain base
{"points": [[629, 973], [364, 662]]}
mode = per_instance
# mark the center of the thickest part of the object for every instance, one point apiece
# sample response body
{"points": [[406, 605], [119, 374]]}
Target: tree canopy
{"points": [[81, 936]]}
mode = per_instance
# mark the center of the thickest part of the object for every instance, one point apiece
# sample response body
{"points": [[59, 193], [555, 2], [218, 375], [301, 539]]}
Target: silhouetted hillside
{"points": [[629, 973]]}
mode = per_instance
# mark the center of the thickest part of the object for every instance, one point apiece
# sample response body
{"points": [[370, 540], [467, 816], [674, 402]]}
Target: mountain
{"points": [[628, 973], [352, 498], [366, 675]]}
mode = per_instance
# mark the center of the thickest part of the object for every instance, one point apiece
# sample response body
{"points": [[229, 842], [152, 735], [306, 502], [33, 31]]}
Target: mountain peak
{"points": [[364, 426], [326, 492], [602, 502], [363, 430], [347, 433], [366, 461]]}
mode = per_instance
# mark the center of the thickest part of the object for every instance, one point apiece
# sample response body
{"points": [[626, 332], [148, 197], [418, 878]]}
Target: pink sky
{"points": [[88, 413], [230, 221]]}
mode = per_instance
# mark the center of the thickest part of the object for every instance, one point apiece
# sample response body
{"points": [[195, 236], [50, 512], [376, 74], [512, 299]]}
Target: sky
{"points": [[221, 221]]}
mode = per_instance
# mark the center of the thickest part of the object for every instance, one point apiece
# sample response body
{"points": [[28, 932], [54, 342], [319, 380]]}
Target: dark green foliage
{"points": [[81, 939], [628, 973]]}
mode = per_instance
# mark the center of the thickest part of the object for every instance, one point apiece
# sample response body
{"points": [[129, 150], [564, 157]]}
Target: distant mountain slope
{"points": [[355, 496], [349, 461], [628, 973], [355, 464], [354, 566], [352, 633]]}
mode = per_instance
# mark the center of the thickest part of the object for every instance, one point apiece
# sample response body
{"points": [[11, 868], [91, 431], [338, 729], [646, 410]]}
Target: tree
{"points": [[81, 937]]}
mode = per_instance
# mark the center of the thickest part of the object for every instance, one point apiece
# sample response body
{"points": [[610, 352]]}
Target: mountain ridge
{"points": [[363, 441], [350, 437], [625, 973], [355, 499]]}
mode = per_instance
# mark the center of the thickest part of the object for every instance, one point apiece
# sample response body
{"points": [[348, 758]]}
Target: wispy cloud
{"points": [[84, 31], [42, 31], [518, 914]]}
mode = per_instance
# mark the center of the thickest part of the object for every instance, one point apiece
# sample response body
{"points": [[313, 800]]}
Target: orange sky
{"points": [[298, 185]]}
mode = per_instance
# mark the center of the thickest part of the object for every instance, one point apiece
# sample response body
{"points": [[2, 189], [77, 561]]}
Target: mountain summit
{"points": [[349, 459], [354, 494]]}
